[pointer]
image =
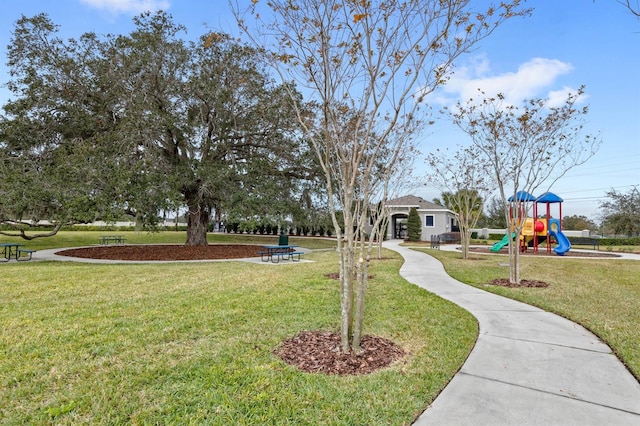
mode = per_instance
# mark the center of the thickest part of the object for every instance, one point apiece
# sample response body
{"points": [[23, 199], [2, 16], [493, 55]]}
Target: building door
{"points": [[399, 225]]}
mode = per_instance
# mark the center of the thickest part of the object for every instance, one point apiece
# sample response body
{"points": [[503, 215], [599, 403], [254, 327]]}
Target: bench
{"points": [[111, 239], [449, 238], [585, 241], [28, 255]]}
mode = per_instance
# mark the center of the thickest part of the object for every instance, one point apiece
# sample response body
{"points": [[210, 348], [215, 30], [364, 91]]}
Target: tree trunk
{"points": [[197, 223], [465, 240], [511, 250], [516, 263], [346, 296], [362, 271], [514, 258], [138, 223]]}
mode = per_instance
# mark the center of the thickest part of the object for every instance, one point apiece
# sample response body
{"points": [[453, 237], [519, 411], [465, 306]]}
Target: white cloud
{"points": [[559, 97], [128, 6], [534, 78]]}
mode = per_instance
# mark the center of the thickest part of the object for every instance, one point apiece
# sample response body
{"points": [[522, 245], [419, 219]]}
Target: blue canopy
{"points": [[549, 197], [523, 196]]}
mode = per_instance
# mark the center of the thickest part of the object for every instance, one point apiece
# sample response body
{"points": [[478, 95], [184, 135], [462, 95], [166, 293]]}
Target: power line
{"points": [[603, 164], [594, 164], [593, 171], [583, 199]]}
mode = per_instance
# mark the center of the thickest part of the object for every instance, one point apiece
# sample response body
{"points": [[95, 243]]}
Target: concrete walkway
{"points": [[528, 367]]}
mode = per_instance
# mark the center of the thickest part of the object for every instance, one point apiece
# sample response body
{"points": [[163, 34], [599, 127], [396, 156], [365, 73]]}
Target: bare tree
{"points": [[469, 183], [527, 148], [369, 65], [632, 5]]}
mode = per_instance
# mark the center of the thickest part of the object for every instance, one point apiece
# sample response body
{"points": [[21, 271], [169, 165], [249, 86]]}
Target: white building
{"points": [[435, 219]]}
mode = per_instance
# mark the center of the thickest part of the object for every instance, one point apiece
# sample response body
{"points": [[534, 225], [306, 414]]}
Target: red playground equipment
{"points": [[537, 230]]}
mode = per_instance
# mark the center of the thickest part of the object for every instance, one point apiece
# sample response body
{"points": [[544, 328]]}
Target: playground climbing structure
{"points": [[537, 230]]}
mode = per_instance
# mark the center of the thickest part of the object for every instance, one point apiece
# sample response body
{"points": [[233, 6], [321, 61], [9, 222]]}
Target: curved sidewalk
{"points": [[528, 367]]}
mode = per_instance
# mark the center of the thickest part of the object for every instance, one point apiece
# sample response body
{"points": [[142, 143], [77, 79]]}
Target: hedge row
{"points": [[633, 241], [236, 228], [91, 228], [267, 229]]}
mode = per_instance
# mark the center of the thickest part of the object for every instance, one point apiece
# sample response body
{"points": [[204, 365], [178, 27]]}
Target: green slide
{"points": [[503, 242]]}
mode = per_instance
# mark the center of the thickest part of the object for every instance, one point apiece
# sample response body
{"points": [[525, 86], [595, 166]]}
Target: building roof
{"points": [[413, 201]]}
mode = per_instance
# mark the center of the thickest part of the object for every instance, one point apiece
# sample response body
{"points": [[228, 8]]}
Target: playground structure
{"points": [[537, 230]]}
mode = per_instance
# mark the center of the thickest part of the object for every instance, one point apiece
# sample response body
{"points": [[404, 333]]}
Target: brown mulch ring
{"points": [[165, 252], [336, 275], [319, 352], [504, 282]]}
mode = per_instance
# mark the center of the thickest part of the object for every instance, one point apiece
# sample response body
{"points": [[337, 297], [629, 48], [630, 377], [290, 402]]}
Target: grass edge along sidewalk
{"points": [[192, 343], [602, 295]]}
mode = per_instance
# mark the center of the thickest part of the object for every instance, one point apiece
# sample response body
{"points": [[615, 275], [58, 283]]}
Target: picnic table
{"points": [[13, 250], [275, 253], [111, 239]]}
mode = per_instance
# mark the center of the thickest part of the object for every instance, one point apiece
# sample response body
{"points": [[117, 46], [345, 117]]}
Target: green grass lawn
{"points": [[601, 294], [192, 343]]}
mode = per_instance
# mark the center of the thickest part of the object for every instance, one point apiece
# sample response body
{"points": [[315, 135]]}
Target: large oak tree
{"points": [[146, 121]]}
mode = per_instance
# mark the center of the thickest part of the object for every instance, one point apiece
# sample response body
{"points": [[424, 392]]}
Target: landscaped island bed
{"points": [[165, 252]]}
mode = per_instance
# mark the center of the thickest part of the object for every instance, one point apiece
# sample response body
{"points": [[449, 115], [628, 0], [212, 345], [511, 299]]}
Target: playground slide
{"points": [[563, 242], [500, 244]]}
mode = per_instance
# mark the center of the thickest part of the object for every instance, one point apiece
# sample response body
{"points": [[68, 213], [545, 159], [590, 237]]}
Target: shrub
{"points": [[414, 226], [633, 241]]}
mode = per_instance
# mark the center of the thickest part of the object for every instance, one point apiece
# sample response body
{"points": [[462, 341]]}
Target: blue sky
{"points": [[563, 45]]}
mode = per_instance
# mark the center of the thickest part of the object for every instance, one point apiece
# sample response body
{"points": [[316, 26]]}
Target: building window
{"points": [[430, 221]]}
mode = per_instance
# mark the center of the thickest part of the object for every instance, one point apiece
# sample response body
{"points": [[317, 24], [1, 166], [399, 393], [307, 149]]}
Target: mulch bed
{"points": [[165, 252], [504, 282], [319, 352], [336, 276]]}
